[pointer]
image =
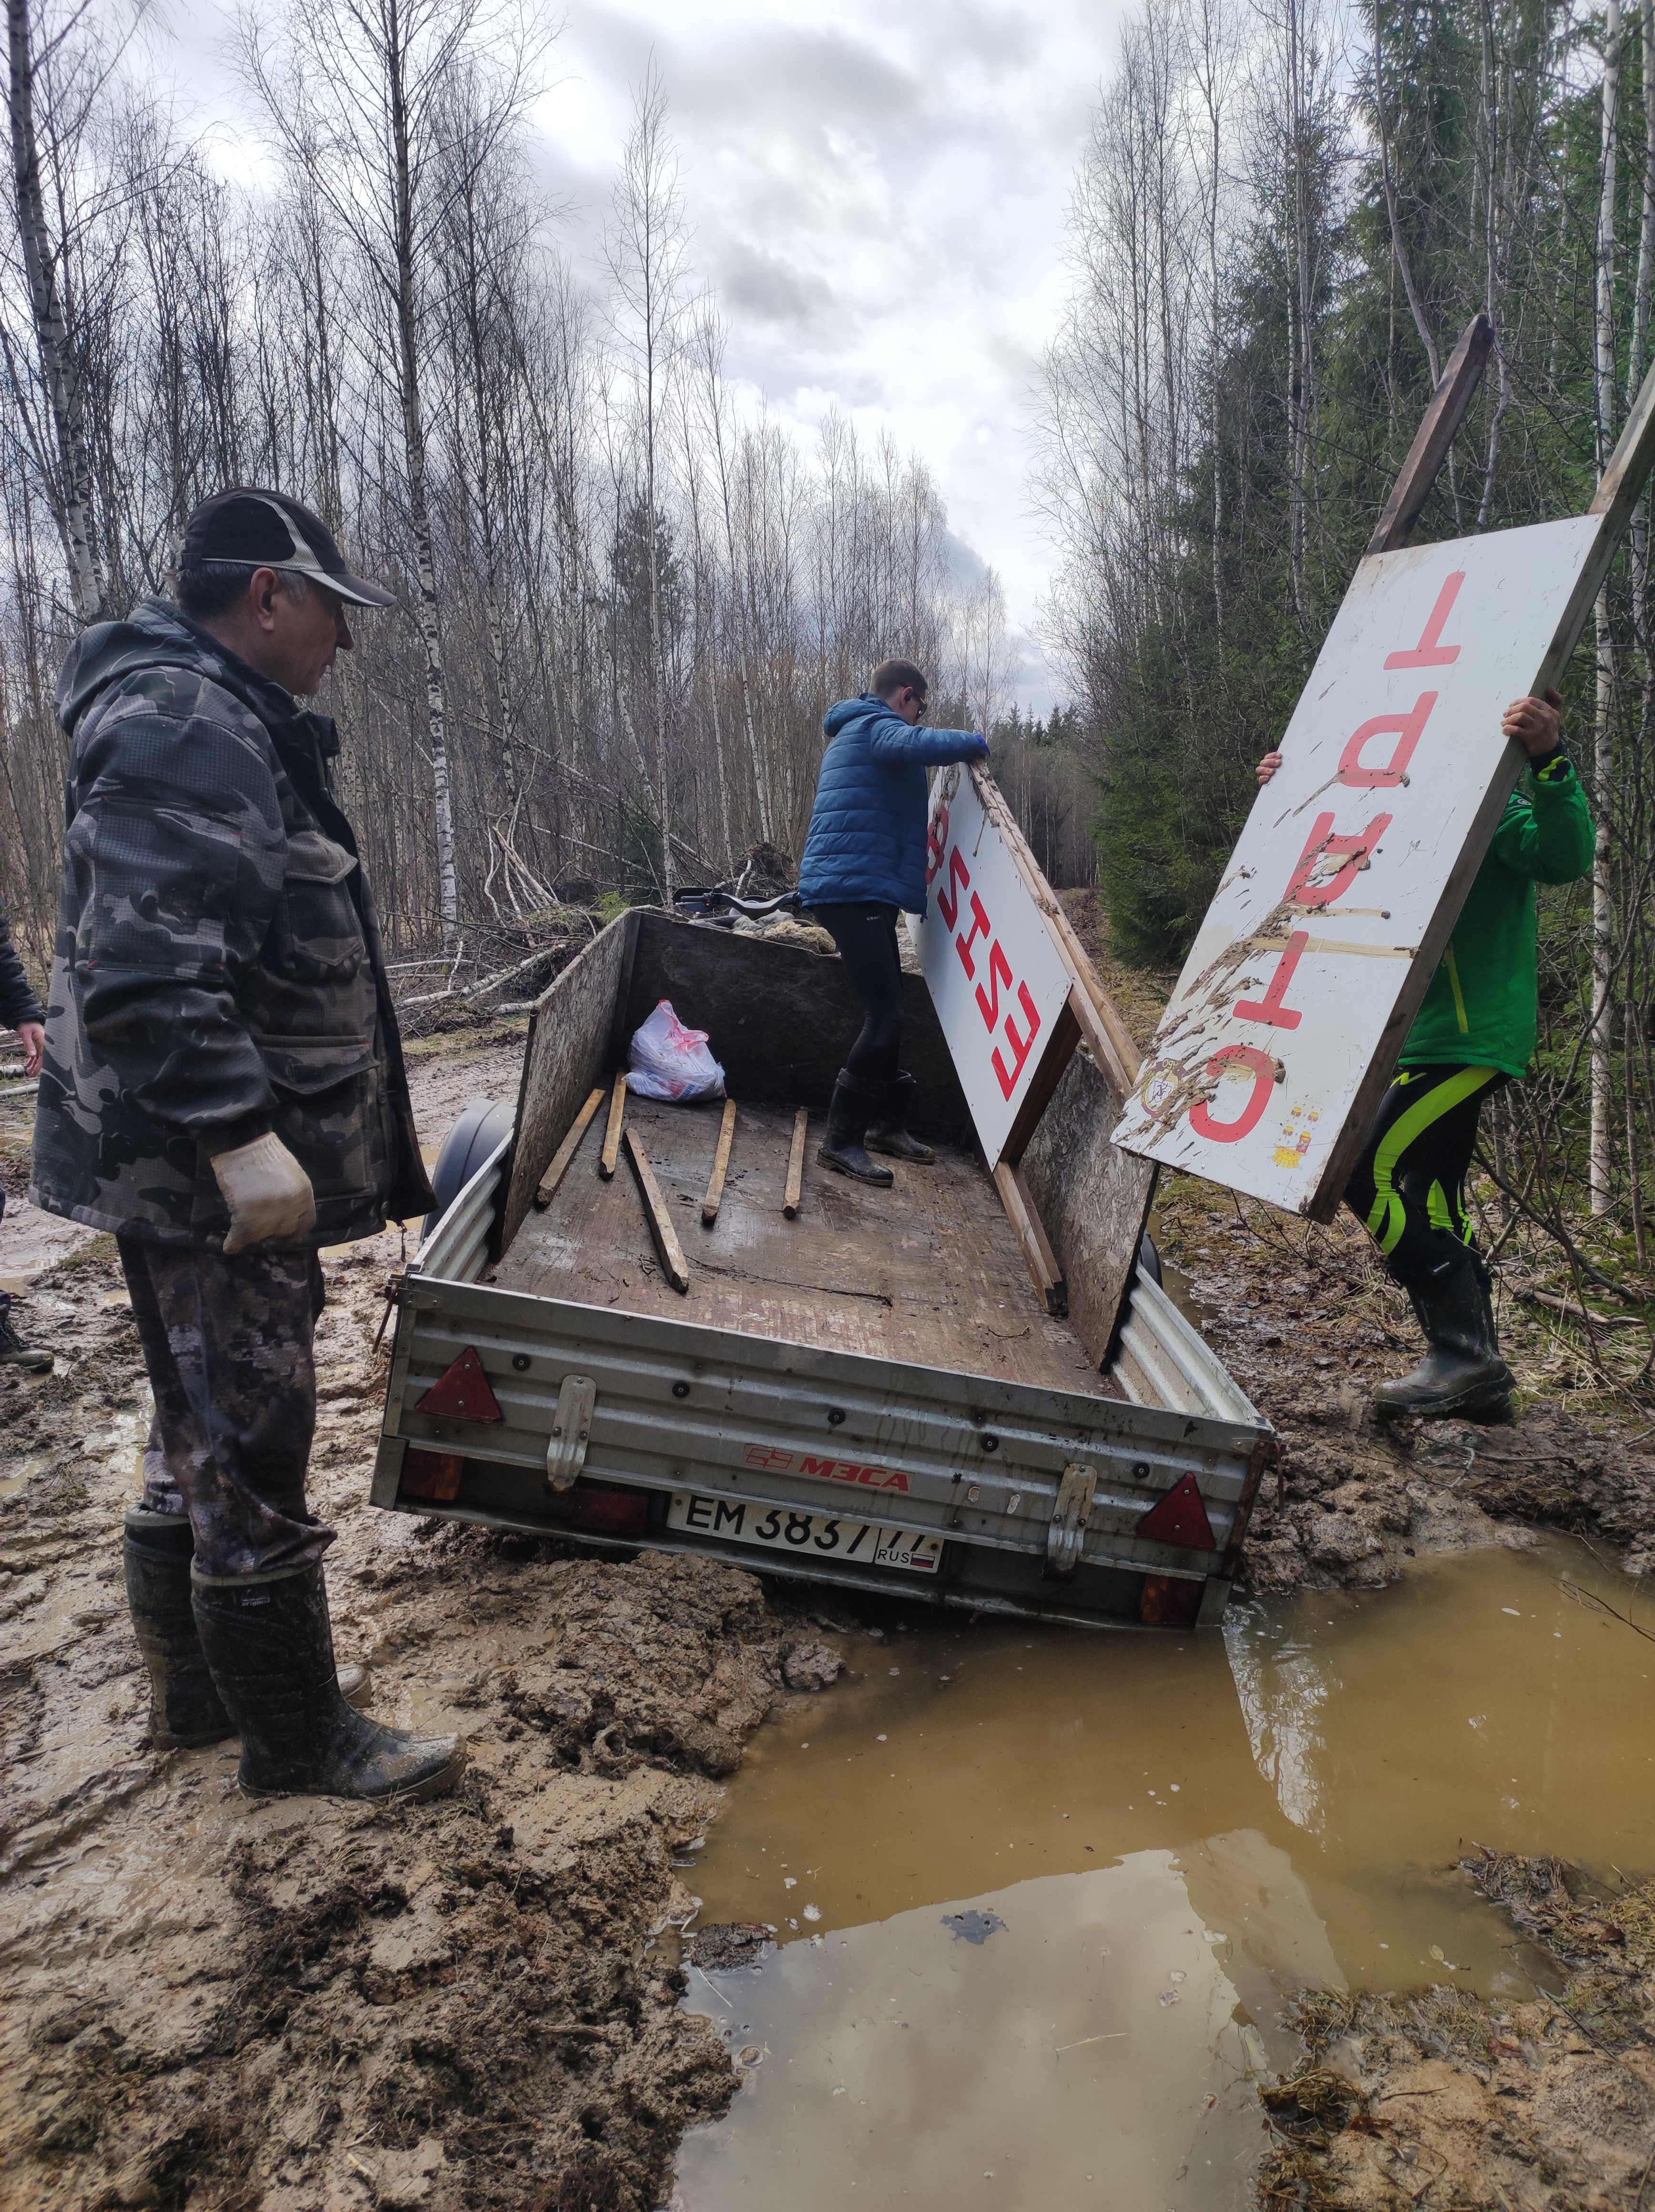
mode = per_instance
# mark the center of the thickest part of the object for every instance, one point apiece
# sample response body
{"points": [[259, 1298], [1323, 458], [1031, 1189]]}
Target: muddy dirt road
{"points": [[306, 2007]]}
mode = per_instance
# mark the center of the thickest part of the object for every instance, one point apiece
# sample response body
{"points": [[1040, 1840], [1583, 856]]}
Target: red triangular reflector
{"points": [[463, 1394], [1180, 1517]]}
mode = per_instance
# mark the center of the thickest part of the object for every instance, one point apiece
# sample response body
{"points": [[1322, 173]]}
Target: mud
{"points": [[304, 2006], [1444, 2097]]}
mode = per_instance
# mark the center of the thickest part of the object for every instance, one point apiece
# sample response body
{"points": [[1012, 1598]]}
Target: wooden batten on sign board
{"points": [[1341, 898]]}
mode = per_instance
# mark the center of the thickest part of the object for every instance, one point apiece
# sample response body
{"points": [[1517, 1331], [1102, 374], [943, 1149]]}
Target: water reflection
{"points": [[1277, 1809]]}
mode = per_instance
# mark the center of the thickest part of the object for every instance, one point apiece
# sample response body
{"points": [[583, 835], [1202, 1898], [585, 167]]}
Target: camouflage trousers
{"points": [[228, 1344]]}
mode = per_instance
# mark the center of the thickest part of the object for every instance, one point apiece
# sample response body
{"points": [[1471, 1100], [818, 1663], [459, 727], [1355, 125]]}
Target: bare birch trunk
{"points": [[1603, 869], [59, 370], [418, 505]]}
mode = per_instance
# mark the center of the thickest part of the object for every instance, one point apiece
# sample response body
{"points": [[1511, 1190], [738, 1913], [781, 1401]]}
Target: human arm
{"points": [[1553, 840], [890, 739], [174, 857]]}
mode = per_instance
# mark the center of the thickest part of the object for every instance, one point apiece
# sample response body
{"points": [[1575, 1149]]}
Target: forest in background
{"points": [[628, 593], [1285, 216]]}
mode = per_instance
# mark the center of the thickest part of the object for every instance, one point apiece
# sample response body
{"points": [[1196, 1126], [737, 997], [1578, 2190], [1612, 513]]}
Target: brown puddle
{"points": [[1152, 1841]]}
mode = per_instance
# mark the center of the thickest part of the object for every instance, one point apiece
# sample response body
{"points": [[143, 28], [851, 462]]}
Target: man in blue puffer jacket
{"points": [[865, 862]]}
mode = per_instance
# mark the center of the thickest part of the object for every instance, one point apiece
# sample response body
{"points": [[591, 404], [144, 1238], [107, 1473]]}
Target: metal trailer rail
{"points": [[1035, 1494]]}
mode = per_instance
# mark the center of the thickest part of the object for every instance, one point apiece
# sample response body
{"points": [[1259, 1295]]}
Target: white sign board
{"points": [[1301, 967], [997, 979]]}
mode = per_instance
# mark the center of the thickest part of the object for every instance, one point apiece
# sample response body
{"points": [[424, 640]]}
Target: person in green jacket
{"points": [[1475, 1032]]}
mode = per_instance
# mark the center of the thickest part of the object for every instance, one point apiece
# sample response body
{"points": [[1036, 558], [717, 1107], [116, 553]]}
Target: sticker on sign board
{"points": [[996, 979], [1314, 937]]}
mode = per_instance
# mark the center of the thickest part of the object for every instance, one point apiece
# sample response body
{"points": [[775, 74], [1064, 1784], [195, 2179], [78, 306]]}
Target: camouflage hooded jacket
{"points": [[218, 969]]}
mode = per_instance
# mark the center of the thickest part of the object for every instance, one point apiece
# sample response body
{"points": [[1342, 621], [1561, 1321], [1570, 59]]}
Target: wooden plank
{"points": [[790, 1204], [711, 1203], [928, 1272], [660, 1222], [611, 1152], [1093, 1200], [1443, 415], [567, 1151], [1043, 1269]]}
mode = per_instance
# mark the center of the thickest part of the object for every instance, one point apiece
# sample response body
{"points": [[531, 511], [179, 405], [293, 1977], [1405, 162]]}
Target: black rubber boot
{"points": [[185, 1708], [271, 1648], [849, 1112], [887, 1131], [1462, 1377], [14, 1352]]}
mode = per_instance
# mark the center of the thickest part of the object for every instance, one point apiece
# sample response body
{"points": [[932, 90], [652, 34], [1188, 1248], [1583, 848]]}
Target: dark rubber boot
{"points": [[849, 1112], [14, 1352], [185, 1710], [270, 1648], [887, 1131], [1462, 1377]]}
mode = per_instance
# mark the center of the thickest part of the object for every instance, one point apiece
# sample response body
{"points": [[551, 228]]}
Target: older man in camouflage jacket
{"points": [[224, 1091]]}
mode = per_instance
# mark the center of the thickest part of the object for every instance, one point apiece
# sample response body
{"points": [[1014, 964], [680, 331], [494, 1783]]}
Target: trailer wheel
{"points": [[1148, 1261], [482, 1125]]}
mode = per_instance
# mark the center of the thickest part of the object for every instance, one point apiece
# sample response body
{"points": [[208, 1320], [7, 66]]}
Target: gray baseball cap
{"points": [[248, 528]]}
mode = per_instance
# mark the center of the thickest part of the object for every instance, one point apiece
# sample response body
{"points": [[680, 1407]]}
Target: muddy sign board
{"points": [[998, 980], [1337, 905]]}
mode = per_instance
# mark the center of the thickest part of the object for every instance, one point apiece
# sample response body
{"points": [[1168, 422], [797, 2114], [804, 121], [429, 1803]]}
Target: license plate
{"points": [[814, 1536]]}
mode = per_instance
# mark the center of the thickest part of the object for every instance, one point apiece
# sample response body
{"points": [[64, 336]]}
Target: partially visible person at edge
{"points": [[21, 1011], [224, 1091], [1475, 1033], [865, 863]]}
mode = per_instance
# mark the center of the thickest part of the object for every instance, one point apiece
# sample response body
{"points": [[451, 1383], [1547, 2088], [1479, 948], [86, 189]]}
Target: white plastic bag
{"points": [[667, 1060]]}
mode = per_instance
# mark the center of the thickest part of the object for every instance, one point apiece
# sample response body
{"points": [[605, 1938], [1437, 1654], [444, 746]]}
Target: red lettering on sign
{"points": [[980, 926], [1264, 1069], [936, 844], [768, 1456], [999, 971], [1301, 891], [1431, 652], [1407, 729], [1020, 1045], [1271, 1008], [948, 901]]}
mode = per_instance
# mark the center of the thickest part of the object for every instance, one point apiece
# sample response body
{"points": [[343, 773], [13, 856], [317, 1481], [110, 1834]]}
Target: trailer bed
{"points": [[929, 1272]]}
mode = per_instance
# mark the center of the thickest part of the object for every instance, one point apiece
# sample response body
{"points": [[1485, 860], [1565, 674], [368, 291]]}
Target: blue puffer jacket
{"points": [[867, 836]]}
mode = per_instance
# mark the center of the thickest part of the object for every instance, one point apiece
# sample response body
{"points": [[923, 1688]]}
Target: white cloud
{"points": [[877, 192]]}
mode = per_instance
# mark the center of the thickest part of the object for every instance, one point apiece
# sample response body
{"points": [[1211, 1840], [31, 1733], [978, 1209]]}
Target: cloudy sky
{"points": [[876, 189]]}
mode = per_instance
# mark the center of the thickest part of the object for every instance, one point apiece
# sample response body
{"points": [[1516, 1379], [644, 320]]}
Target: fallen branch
{"points": [[488, 983]]}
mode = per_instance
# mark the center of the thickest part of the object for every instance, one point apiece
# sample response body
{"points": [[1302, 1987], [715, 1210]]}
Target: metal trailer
{"points": [[955, 1392]]}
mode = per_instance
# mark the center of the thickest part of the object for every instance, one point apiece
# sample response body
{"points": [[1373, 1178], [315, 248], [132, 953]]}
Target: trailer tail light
{"points": [[431, 1474], [463, 1394], [1169, 1601], [614, 1512], [1180, 1517]]}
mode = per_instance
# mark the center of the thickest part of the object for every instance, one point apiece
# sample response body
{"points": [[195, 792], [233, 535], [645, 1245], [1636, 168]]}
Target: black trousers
{"points": [[1408, 1189], [864, 931]]}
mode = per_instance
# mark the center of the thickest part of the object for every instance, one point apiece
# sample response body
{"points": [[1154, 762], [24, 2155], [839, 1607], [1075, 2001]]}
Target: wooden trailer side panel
{"points": [[567, 1055], [1093, 1200], [781, 1019]]}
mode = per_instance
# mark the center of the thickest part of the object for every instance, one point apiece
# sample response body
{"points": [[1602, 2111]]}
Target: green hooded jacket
{"points": [[1483, 1009]]}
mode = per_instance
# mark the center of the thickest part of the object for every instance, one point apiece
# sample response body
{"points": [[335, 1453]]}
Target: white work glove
{"points": [[268, 1192]]}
